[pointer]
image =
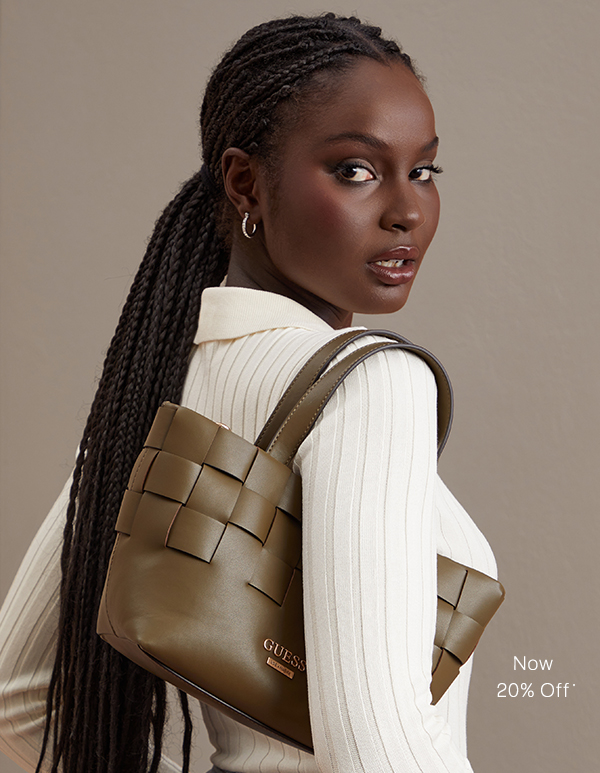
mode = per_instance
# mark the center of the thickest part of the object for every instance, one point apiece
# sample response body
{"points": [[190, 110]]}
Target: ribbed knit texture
{"points": [[375, 514]]}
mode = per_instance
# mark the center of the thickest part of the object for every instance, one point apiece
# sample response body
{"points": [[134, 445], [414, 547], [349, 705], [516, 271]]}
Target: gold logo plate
{"points": [[282, 669]]}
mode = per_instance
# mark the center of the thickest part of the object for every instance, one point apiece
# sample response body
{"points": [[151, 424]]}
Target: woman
{"points": [[317, 199]]}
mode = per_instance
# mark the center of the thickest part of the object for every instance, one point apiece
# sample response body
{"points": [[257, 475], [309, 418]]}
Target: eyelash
{"points": [[348, 166], [430, 167]]}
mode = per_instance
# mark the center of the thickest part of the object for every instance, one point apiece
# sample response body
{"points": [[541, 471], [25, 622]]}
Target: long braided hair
{"points": [[102, 710]]}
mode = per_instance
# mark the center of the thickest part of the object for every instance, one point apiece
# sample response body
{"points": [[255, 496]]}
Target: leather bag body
{"points": [[204, 585]]}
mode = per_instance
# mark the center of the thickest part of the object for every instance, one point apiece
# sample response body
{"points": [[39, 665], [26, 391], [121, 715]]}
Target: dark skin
{"points": [[354, 185]]}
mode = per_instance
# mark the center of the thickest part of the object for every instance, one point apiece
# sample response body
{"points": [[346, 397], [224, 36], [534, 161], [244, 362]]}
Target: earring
{"points": [[244, 229]]}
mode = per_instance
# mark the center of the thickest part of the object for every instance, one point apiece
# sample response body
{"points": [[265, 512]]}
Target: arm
{"points": [[28, 628], [369, 574], [28, 621]]}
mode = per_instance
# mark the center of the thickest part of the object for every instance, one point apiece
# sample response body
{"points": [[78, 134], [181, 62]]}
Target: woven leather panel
{"points": [[215, 480], [464, 609]]}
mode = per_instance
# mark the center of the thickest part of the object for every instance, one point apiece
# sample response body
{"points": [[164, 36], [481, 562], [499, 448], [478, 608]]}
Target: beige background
{"points": [[99, 104]]}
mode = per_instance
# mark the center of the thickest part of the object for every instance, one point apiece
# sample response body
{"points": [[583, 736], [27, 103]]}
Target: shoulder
{"points": [[392, 382], [384, 412], [399, 362]]}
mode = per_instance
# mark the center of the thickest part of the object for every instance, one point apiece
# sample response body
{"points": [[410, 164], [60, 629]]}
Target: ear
{"points": [[241, 184]]}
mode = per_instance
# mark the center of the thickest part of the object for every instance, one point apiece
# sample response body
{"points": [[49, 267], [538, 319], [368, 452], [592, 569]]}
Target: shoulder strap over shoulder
{"points": [[301, 405], [309, 373]]}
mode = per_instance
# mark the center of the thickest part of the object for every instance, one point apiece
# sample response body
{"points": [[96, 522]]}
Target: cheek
{"points": [[328, 212], [315, 235], [313, 206], [434, 213], [325, 217]]}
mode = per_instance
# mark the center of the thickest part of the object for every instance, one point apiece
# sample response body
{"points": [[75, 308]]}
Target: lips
{"points": [[397, 266], [397, 254]]}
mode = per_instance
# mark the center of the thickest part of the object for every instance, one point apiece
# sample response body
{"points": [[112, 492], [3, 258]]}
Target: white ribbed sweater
{"points": [[375, 514]]}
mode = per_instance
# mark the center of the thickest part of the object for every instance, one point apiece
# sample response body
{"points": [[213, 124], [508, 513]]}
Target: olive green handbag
{"points": [[204, 586]]}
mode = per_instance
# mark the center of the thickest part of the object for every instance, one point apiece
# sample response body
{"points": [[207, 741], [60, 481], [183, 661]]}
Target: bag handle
{"points": [[312, 369], [309, 407]]}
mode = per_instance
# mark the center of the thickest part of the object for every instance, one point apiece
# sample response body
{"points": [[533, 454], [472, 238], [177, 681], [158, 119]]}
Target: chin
{"points": [[385, 303]]}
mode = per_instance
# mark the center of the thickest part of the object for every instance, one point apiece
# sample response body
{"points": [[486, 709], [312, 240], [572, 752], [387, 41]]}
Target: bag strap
{"points": [[309, 407], [312, 369]]}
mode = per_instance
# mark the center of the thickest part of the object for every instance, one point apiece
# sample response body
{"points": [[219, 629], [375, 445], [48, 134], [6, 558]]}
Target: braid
{"points": [[270, 64], [102, 710], [107, 708]]}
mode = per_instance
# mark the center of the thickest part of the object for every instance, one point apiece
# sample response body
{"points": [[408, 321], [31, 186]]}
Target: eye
{"points": [[350, 171], [424, 174]]}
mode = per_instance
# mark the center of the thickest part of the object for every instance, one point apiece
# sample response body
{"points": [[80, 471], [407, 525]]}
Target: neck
{"points": [[248, 268]]}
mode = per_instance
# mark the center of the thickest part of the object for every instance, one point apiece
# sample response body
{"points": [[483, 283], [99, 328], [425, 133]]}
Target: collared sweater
{"points": [[375, 514]]}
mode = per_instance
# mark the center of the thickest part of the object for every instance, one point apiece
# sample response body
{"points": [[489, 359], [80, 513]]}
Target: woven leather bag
{"points": [[204, 585]]}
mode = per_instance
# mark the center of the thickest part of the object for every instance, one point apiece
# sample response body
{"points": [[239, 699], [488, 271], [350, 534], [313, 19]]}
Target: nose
{"points": [[404, 210]]}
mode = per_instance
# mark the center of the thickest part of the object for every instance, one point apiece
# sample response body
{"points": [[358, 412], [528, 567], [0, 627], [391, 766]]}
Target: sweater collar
{"points": [[233, 312]]}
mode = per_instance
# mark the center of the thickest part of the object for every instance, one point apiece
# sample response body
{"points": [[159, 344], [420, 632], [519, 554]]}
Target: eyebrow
{"points": [[365, 139], [374, 142], [431, 145]]}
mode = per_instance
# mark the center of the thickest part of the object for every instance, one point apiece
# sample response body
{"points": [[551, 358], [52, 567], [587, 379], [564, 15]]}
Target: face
{"points": [[354, 208]]}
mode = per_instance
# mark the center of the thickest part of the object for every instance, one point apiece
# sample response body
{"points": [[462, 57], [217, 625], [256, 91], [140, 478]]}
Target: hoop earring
{"points": [[244, 229]]}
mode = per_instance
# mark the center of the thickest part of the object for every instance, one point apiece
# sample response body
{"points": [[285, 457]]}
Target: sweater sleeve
{"points": [[28, 632], [369, 573]]}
